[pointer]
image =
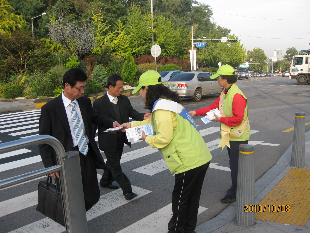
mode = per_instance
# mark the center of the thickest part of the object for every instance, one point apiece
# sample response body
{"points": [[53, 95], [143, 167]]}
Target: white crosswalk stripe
{"points": [[154, 222], [24, 132], [18, 124], [35, 119], [19, 117], [19, 113], [106, 203], [19, 128]]}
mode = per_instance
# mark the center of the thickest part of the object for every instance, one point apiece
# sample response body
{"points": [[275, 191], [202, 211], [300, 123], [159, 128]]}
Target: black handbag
{"points": [[50, 201]]}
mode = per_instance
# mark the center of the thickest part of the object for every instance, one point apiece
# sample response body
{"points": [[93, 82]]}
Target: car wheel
{"points": [[302, 80], [197, 95]]}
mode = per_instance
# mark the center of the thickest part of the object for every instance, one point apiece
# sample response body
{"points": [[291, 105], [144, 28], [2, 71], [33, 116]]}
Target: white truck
{"points": [[300, 69]]}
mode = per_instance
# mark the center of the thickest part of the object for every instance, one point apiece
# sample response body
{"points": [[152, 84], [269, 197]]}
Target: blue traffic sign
{"points": [[200, 44]]}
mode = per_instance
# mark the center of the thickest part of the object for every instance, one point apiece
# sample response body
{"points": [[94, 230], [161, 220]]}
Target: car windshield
{"points": [[298, 61], [182, 77], [163, 73]]}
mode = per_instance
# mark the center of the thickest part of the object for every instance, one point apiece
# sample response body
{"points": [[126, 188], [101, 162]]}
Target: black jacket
{"points": [[105, 116], [53, 121]]}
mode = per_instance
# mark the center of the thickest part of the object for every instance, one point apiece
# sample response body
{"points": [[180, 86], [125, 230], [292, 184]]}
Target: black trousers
{"points": [[116, 173], [89, 180], [185, 199], [233, 153]]}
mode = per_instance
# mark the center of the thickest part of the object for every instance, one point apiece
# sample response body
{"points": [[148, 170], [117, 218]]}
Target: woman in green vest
{"points": [[235, 126], [183, 148]]}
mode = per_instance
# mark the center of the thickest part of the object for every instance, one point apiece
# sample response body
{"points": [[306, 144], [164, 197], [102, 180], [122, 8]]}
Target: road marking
{"points": [[254, 143], [157, 222], [18, 117], [24, 132], [217, 167], [160, 166], [20, 163], [19, 120], [17, 124], [288, 130], [19, 128], [14, 153], [18, 113], [106, 203], [18, 203]]}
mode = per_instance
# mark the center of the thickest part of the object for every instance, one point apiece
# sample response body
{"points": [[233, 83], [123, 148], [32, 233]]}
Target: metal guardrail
{"points": [[70, 176]]}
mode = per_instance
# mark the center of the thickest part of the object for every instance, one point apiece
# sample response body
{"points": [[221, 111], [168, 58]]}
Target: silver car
{"points": [[193, 84], [166, 75]]}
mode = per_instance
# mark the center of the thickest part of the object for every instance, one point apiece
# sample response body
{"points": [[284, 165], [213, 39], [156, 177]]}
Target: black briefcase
{"points": [[50, 201]]}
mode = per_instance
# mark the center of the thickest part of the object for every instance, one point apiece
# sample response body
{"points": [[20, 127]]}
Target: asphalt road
{"points": [[272, 104]]}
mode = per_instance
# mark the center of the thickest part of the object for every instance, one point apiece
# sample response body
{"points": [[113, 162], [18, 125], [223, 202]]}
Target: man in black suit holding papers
{"points": [[111, 110]]}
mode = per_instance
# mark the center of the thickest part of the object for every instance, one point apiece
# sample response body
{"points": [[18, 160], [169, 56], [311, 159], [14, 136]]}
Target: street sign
{"points": [[223, 39], [200, 44], [155, 50]]}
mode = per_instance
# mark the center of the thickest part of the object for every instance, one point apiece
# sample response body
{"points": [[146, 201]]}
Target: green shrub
{"points": [[167, 67], [55, 74], [146, 66], [100, 74], [11, 90], [72, 62], [129, 70], [93, 87], [40, 84]]}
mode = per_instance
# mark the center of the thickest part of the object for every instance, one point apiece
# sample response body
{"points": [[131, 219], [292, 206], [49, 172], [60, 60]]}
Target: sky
{"points": [[266, 24]]}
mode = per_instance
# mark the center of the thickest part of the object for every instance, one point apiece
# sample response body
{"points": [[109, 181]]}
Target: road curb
{"points": [[262, 186]]}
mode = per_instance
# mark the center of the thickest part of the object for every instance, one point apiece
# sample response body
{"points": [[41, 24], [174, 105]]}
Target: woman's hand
{"points": [[192, 113], [144, 136]]}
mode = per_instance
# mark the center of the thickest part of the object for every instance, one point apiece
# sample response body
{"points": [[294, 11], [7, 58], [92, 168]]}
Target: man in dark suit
{"points": [[111, 110], [69, 118]]}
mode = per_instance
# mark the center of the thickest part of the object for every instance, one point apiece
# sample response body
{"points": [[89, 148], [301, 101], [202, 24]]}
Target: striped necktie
{"points": [[78, 129]]}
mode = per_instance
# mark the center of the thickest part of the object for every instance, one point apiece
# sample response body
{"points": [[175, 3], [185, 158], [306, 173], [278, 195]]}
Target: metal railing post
{"points": [[73, 195], [298, 143], [245, 186], [71, 179]]}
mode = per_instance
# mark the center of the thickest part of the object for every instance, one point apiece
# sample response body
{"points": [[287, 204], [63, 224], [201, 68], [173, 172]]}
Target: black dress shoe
{"points": [[130, 196], [111, 186], [228, 199]]}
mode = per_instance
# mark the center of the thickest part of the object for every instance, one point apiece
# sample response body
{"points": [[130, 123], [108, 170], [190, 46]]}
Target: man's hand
{"points": [[147, 115], [54, 174], [144, 136], [115, 124], [125, 126], [192, 113], [217, 118]]}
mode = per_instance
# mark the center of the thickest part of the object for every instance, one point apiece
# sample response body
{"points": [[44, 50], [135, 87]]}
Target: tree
{"points": [[9, 21], [257, 55], [129, 70], [290, 53], [231, 53]]}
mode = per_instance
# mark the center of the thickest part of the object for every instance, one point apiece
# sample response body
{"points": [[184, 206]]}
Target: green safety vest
{"points": [[237, 133]]}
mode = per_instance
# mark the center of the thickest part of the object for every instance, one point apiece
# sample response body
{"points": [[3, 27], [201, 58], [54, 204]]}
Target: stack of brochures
{"points": [[135, 134], [211, 115]]}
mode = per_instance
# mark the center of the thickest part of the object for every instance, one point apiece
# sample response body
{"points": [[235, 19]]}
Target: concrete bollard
{"points": [[245, 186], [298, 143]]}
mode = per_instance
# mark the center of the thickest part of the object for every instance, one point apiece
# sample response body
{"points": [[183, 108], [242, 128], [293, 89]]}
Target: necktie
{"points": [[78, 129], [115, 100]]}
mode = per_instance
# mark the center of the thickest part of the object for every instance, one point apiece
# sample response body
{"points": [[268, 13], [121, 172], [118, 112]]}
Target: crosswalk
{"points": [[142, 161]]}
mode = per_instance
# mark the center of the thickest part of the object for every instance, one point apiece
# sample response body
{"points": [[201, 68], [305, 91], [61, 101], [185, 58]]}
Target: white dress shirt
{"points": [[68, 108], [112, 99]]}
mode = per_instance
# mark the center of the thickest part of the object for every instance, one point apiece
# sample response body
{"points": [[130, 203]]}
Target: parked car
{"points": [[194, 84], [166, 75]]}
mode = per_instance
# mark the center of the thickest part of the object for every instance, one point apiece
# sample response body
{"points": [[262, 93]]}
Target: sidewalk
{"points": [[268, 186], [16, 105]]}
